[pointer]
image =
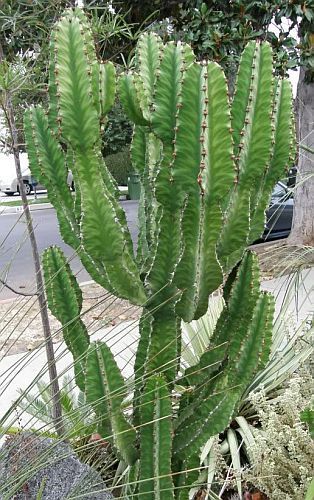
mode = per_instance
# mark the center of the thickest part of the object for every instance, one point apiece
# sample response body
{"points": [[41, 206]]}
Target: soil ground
{"points": [[278, 258], [20, 322]]}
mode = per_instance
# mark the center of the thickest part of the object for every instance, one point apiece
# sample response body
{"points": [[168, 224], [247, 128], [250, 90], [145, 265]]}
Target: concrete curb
{"points": [[7, 209], [4, 210]]}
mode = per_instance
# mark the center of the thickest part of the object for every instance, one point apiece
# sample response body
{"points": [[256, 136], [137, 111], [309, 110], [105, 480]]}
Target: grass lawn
{"points": [[18, 203]]}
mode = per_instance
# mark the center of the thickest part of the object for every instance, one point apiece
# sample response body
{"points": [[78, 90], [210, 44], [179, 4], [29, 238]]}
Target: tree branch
{"points": [[16, 291]]}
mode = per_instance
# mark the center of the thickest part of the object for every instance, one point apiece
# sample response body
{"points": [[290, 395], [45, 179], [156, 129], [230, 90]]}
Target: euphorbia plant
{"points": [[208, 163]]}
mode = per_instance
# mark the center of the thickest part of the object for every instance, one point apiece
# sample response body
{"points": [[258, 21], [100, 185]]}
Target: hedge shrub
{"points": [[119, 164]]}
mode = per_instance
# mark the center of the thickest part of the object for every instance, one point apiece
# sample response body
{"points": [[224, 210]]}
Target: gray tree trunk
{"points": [[302, 232], [52, 369]]}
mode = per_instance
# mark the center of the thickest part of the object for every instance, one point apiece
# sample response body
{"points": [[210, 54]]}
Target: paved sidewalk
{"points": [[20, 371], [296, 290]]}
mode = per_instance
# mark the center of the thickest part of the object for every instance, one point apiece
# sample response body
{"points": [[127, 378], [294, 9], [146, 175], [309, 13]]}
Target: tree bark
{"points": [[52, 369], [302, 232]]}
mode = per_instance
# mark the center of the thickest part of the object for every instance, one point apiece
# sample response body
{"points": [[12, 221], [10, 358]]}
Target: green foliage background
{"points": [[119, 165], [118, 132]]}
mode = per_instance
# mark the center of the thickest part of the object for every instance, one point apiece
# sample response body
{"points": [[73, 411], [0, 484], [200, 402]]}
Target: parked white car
{"points": [[8, 180]]}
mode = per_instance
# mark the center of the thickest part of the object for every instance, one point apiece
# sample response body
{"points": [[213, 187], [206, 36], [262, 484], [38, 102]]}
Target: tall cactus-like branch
{"points": [[105, 391], [261, 108], [215, 166], [155, 434], [221, 382], [81, 93], [207, 164], [64, 298]]}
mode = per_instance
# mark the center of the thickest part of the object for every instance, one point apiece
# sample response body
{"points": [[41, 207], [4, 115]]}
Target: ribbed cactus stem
{"points": [[81, 93], [64, 298], [207, 164]]}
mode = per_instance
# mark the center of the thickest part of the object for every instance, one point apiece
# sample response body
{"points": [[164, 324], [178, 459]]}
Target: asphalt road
{"points": [[16, 264]]}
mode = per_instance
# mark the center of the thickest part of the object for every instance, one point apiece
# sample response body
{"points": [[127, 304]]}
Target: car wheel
{"points": [[28, 188], [9, 194]]}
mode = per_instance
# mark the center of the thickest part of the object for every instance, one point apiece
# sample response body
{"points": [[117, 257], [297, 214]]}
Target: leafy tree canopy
{"points": [[25, 27], [219, 29]]}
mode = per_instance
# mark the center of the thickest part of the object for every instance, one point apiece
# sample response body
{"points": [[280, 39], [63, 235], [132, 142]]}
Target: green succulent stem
{"points": [[207, 163]]}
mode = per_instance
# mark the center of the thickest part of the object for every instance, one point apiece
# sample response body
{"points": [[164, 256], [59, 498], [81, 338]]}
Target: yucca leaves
{"points": [[235, 457]]}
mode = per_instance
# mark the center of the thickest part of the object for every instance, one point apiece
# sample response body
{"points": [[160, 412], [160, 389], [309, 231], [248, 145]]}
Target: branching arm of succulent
{"points": [[64, 298], [155, 437], [81, 93], [105, 391]]}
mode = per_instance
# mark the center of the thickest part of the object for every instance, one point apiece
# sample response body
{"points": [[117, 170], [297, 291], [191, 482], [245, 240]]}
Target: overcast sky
{"points": [[293, 75]]}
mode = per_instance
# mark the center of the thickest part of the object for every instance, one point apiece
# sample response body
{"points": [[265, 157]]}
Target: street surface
{"points": [[16, 263], [17, 269]]}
